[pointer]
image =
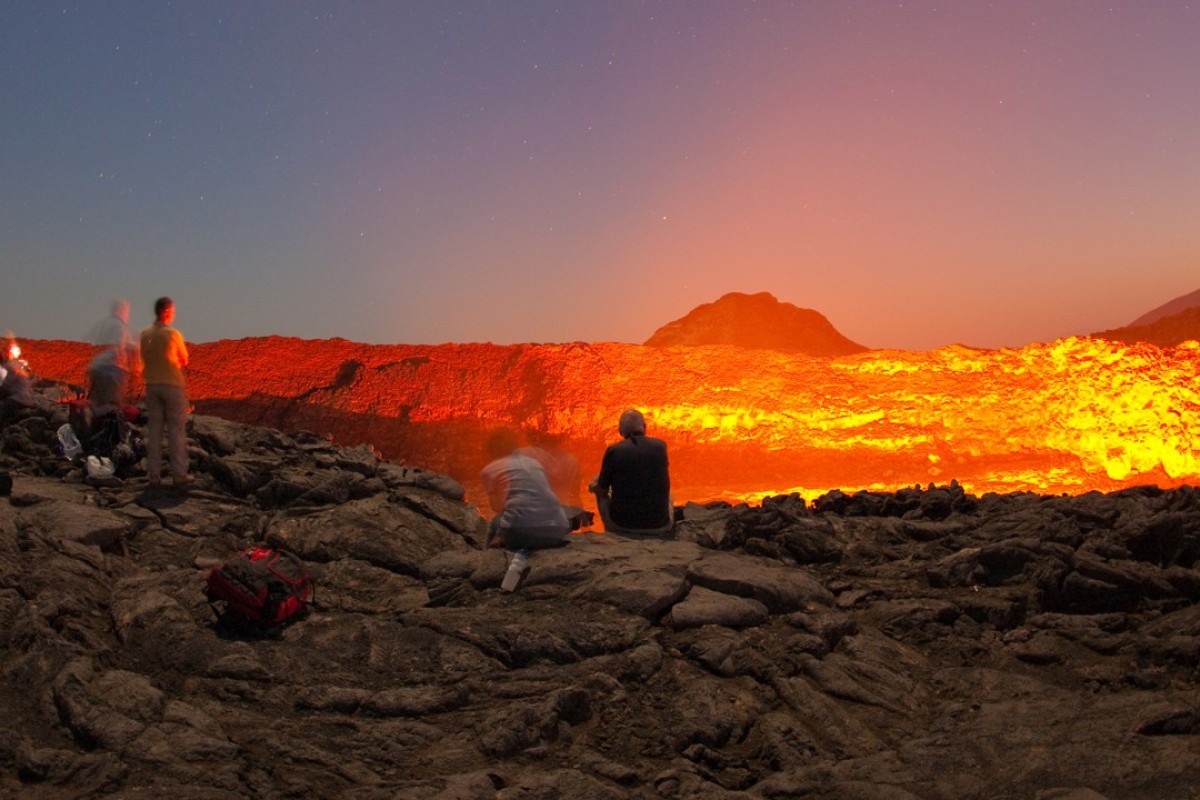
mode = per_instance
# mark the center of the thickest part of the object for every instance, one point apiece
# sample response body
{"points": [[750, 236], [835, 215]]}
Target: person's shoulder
{"points": [[653, 443], [524, 460], [502, 463]]}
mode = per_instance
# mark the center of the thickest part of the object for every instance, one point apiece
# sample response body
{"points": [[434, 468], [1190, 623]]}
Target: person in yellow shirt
{"points": [[164, 358]]}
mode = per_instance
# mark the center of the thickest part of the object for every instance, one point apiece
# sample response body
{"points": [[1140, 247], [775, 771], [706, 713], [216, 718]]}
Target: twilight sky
{"points": [[922, 173]]}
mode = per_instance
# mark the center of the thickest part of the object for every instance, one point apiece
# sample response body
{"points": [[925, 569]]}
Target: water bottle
{"points": [[516, 569]]}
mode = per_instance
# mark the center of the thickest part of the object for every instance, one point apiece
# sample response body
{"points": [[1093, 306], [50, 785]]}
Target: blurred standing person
{"points": [[164, 358], [562, 470], [113, 333], [633, 489], [109, 371]]}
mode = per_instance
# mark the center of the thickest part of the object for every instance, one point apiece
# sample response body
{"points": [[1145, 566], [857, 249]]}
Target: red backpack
{"points": [[259, 589]]}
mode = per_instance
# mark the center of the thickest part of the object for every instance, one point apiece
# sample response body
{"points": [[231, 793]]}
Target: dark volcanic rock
{"points": [[1168, 325], [756, 322], [1167, 331], [1182, 303], [924, 644]]}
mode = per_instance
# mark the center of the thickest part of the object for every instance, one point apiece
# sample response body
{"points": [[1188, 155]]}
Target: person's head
{"points": [[164, 310], [120, 310], [501, 442], [632, 424]]}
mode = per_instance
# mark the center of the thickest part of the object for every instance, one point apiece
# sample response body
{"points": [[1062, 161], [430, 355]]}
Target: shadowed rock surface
{"points": [[922, 644], [756, 322], [1165, 331], [1171, 307]]}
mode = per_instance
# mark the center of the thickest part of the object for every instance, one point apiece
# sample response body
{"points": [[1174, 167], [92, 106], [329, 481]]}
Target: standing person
{"points": [[109, 371], [113, 334], [633, 490], [164, 357], [528, 514]]}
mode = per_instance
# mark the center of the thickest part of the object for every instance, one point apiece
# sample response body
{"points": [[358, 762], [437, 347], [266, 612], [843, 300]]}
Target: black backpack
{"points": [[113, 438]]}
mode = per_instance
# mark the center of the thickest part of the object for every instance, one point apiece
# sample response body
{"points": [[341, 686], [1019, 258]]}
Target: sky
{"points": [[921, 173]]}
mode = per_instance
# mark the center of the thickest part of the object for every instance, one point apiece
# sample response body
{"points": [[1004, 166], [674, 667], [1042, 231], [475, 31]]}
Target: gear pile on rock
{"points": [[920, 644]]}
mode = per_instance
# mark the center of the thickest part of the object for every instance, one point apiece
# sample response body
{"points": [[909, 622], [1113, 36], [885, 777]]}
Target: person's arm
{"points": [[603, 482], [496, 485], [181, 352], [133, 354], [496, 500], [144, 343]]}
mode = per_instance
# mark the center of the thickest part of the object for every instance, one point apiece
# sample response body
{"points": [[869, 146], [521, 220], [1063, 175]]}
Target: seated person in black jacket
{"points": [[633, 490]]}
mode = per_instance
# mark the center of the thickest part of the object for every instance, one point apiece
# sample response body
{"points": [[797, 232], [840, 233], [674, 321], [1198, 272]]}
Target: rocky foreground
{"points": [[923, 644]]}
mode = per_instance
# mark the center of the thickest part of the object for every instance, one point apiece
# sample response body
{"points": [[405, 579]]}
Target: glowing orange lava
{"points": [[1072, 416]]}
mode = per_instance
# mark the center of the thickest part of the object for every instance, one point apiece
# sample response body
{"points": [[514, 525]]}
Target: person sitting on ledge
{"points": [[528, 514], [16, 393], [633, 489]]}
